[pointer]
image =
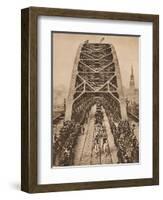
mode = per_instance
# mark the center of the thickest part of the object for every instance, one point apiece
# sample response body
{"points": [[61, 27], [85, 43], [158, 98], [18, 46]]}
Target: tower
{"points": [[132, 81]]}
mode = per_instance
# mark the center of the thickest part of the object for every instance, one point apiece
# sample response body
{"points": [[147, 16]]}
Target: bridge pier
{"points": [[123, 109]]}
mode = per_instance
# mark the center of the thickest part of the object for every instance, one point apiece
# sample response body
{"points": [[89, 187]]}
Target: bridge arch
{"points": [[95, 77]]}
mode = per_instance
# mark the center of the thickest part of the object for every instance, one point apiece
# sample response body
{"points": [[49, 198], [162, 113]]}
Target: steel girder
{"points": [[96, 74]]}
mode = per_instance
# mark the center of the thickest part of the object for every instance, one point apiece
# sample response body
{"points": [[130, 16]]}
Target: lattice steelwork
{"points": [[96, 77]]}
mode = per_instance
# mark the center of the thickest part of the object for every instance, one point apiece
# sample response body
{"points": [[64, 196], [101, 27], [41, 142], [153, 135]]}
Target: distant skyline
{"points": [[65, 46]]}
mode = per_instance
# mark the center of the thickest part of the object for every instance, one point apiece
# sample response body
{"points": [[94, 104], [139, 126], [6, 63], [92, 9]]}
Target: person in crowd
{"points": [[105, 146]]}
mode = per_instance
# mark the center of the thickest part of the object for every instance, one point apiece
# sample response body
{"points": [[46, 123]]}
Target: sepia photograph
{"points": [[95, 99]]}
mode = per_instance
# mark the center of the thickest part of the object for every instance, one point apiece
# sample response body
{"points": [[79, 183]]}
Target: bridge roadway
{"points": [[85, 152]]}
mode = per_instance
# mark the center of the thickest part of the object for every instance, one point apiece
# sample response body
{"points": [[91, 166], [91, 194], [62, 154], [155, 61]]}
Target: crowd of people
{"points": [[64, 144], [99, 115], [81, 108], [124, 137], [111, 106], [100, 138], [126, 141], [123, 131]]}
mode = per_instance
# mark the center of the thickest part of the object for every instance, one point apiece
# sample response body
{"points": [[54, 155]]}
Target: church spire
{"points": [[132, 71], [132, 81]]}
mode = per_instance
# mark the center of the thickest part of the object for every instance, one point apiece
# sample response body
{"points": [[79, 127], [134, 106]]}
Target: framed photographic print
{"points": [[90, 99]]}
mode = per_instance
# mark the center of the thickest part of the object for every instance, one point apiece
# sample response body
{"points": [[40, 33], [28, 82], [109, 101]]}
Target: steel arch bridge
{"points": [[95, 78]]}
